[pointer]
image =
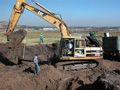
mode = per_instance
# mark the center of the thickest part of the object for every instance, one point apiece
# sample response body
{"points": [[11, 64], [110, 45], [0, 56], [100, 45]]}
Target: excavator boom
{"points": [[16, 13], [45, 14]]}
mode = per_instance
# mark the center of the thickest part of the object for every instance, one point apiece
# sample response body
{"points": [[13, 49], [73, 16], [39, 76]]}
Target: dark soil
{"points": [[17, 73], [50, 78]]}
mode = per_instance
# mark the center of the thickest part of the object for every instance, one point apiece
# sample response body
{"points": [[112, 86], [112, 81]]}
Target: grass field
{"points": [[52, 36], [33, 37]]}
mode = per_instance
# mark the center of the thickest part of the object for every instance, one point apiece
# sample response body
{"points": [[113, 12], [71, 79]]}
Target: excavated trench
{"points": [[18, 73]]}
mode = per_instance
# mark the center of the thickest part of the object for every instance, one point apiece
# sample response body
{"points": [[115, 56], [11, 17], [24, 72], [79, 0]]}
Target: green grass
{"points": [[3, 38], [33, 37]]}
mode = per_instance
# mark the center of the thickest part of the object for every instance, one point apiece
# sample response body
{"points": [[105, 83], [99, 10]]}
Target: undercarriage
{"points": [[77, 65]]}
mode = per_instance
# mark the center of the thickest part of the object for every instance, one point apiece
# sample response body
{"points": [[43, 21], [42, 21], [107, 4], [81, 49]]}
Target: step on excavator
{"points": [[74, 53]]}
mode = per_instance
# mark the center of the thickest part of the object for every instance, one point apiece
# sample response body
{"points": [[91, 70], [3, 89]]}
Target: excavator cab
{"points": [[77, 47], [65, 49]]}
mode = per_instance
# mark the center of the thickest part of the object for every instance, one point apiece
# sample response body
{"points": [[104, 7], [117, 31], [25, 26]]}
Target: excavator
{"points": [[80, 56]]}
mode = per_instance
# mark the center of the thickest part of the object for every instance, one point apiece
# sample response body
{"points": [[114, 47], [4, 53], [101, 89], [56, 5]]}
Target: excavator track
{"points": [[78, 65]]}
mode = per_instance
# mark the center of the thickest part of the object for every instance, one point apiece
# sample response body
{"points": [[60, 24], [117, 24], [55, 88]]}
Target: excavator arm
{"points": [[16, 13], [45, 14]]}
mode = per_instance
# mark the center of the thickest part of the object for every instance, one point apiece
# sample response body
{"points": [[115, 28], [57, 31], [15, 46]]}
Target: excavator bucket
{"points": [[16, 38]]}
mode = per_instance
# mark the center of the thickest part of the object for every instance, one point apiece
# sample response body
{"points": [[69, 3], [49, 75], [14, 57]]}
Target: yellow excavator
{"points": [[80, 51]]}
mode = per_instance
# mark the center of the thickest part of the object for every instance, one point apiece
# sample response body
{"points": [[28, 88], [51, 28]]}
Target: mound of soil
{"points": [[44, 51], [21, 78], [108, 81], [50, 78], [16, 75], [12, 55]]}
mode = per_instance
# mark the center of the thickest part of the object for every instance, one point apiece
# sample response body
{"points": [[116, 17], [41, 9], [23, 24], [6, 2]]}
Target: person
{"points": [[68, 48], [37, 68], [92, 33], [41, 38], [69, 45]]}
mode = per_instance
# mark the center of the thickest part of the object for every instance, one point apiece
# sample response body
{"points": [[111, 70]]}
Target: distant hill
{"points": [[4, 24]]}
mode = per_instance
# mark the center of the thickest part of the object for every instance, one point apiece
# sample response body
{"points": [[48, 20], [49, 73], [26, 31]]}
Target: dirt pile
{"points": [[44, 51], [22, 77], [13, 54], [19, 78], [12, 50], [109, 81], [101, 78], [9, 55]]}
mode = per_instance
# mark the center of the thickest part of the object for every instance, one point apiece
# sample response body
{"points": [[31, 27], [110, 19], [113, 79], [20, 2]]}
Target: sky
{"points": [[74, 12]]}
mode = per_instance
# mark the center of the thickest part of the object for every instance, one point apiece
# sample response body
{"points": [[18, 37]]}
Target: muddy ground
{"points": [[17, 71], [22, 77]]}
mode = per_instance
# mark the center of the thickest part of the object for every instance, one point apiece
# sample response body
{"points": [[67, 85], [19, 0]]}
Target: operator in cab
{"points": [[69, 45], [68, 48]]}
